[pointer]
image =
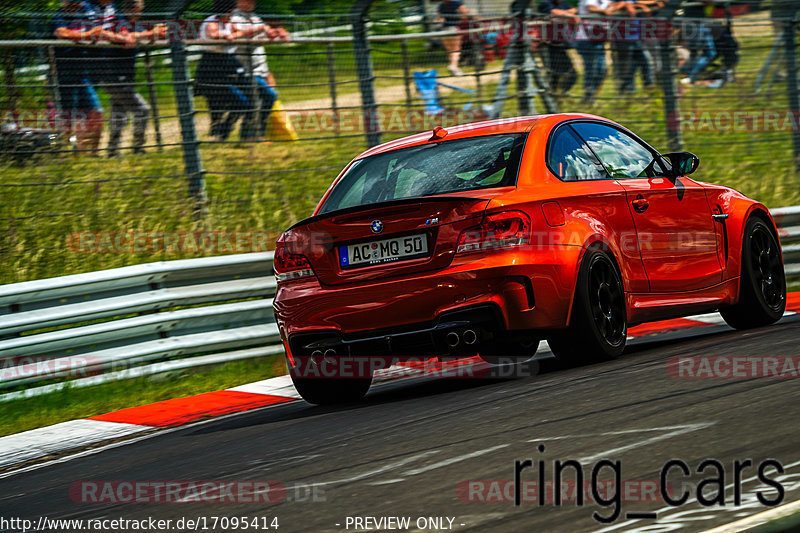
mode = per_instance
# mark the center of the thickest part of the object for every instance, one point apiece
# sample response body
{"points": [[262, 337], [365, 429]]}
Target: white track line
{"points": [[453, 460], [37, 443], [758, 519], [608, 453]]}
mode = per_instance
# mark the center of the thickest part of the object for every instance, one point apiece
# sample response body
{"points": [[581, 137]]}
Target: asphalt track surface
{"points": [[411, 444]]}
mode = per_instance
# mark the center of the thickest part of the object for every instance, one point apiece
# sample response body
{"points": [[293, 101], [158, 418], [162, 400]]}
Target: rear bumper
{"points": [[527, 290], [443, 336]]}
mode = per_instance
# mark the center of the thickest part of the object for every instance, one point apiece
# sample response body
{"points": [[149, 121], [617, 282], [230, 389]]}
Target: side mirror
{"points": [[683, 163]]}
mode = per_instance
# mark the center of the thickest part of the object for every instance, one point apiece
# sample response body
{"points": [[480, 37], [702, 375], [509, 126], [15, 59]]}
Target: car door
{"points": [[674, 226], [596, 200]]}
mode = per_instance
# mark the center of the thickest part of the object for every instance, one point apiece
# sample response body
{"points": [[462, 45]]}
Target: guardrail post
{"points": [[366, 80], [191, 146], [789, 15]]}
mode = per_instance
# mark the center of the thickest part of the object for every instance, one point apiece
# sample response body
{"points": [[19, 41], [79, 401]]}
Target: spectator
{"points": [[451, 13], [121, 90], [727, 46], [652, 46], [700, 41], [249, 26], [220, 77], [561, 72], [633, 56], [591, 43], [78, 21]]}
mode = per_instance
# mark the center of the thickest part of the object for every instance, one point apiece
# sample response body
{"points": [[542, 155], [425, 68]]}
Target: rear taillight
{"points": [[497, 231], [290, 266]]}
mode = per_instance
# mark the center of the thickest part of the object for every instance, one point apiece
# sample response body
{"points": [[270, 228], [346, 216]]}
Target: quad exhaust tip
{"points": [[470, 337], [317, 356], [453, 339]]}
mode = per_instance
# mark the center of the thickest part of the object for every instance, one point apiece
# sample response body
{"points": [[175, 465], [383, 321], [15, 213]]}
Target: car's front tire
{"points": [[762, 293], [599, 325]]}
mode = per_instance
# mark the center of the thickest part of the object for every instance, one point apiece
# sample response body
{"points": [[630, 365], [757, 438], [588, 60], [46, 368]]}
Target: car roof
{"points": [[476, 129]]}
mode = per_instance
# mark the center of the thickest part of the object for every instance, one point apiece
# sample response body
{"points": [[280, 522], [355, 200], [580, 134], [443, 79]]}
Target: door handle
{"points": [[640, 204]]}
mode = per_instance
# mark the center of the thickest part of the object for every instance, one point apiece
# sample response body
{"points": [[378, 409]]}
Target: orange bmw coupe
{"points": [[485, 238]]}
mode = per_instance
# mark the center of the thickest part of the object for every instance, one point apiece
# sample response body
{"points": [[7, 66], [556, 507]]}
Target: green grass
{"points": [[70, 404]]}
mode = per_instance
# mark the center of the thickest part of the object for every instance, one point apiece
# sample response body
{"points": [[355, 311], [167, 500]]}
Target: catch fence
{"points": [[338, 93]]}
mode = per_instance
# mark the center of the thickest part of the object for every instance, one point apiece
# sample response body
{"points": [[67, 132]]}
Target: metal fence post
{"points": [[148, 66], [671, 109], [10, 68], [191, 147], [366, 80], [250, 122], [406, 73], [526, 92], [668, 72], [790, 36], [55, 90], [332, 82]]}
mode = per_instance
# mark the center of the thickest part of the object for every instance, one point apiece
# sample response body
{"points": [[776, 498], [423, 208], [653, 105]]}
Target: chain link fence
{"points": [[184, 146]]}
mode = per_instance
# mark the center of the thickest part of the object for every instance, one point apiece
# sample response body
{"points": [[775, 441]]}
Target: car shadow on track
{"points": [[413, 388]]}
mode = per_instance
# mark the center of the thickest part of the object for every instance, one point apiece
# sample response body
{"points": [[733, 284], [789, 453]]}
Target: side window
{"points": [[570, 160], [623, 156]]}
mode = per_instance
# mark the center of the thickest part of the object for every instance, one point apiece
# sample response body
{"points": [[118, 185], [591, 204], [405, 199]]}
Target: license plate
{"points": [[384, 251]]}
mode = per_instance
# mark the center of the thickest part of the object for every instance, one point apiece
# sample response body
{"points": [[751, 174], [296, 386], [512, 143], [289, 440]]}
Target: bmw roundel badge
{"points": [[377, 226]]}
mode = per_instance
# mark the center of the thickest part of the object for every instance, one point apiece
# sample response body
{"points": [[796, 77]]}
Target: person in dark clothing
{"points": [[451, 13], [632, 54], [121, 77], [561, 71], [81, 112], [220, 76], [699, 40]]}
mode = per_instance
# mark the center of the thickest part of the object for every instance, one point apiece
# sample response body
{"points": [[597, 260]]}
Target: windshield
{"points": [[436, 168]]}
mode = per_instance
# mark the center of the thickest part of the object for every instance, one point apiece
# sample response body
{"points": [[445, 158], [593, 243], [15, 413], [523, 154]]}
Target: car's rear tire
{"points": [[762, 293], [599, 325], [330, 390]]}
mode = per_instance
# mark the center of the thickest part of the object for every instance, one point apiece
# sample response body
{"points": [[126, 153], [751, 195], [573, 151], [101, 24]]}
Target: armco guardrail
{"points": [[114, 349], [788, 221], [148, 334]]}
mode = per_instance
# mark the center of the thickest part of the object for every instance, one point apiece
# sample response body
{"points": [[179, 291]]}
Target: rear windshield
{"points": [[429, 169]]}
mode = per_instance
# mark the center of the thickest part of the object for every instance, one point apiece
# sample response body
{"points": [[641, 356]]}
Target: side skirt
{"points": [[648, 307]]}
